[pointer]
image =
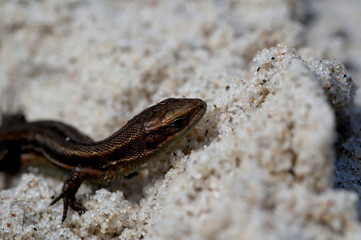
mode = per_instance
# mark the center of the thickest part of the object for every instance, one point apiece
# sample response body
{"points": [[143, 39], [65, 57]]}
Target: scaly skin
{"points": [[145, 135]]}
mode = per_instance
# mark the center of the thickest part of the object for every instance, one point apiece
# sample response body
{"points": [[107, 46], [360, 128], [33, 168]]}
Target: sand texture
{"points": [[276, 156]]}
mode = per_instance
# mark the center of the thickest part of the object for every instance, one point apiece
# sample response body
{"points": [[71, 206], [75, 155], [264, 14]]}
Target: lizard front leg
{"points": [[72, 184]]}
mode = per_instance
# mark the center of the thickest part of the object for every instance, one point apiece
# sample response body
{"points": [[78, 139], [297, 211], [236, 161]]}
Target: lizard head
{"points": [[170, 119]]}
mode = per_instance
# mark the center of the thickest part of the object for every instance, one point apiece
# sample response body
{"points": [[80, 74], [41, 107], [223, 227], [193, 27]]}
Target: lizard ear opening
{"points": [[151, 143]]}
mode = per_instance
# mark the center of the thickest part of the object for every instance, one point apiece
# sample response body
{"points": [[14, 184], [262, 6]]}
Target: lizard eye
{"points": [[179, 123]]}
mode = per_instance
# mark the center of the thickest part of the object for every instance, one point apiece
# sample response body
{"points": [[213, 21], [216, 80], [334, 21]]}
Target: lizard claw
{"points": [[69, 200], [76, 206], [70, 187]]}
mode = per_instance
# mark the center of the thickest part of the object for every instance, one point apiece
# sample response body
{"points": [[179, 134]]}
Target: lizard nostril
{"points": [[202, 105]]}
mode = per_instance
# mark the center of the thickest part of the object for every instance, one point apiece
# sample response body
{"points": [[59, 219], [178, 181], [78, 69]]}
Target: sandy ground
{"points": [[275, 157]]}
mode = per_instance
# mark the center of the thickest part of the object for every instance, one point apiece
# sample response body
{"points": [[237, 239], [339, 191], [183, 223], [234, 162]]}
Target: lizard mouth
{"points": [[200, 110]]}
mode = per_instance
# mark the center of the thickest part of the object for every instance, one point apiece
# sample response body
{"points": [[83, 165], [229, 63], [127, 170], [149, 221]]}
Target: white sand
{"points": [[260, 165]]}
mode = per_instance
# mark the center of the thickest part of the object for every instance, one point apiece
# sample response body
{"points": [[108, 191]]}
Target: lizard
{"points": [[143, 137]]}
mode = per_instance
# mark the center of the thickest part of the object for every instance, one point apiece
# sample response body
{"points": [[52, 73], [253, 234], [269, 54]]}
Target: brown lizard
{"points": [[145, 135]]}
